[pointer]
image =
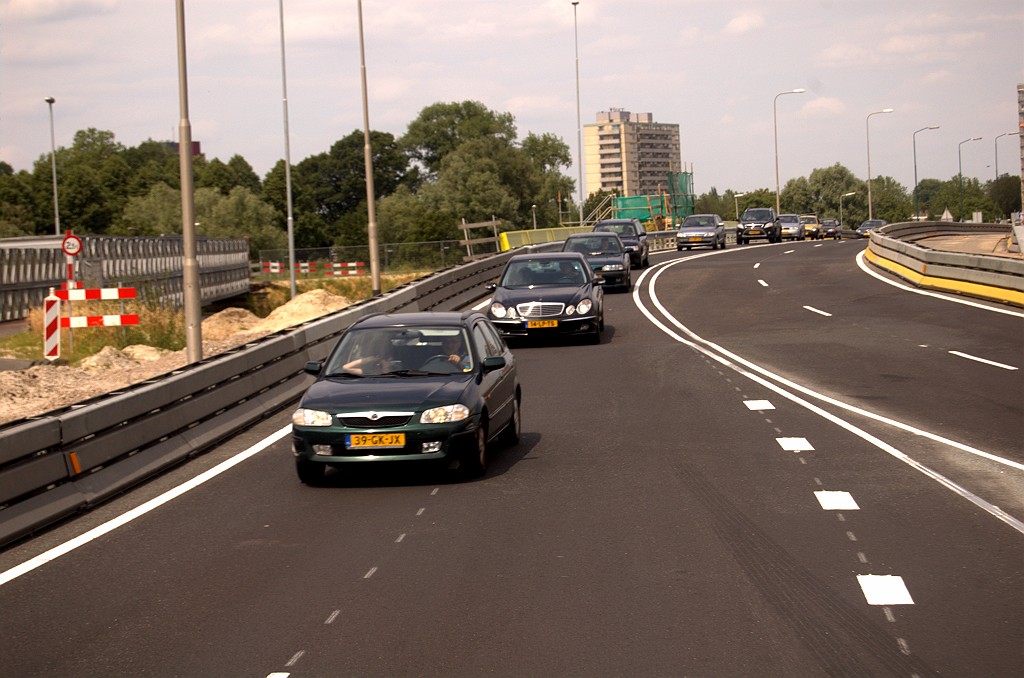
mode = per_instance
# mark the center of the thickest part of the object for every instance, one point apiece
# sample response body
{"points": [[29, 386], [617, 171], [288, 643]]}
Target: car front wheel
{"points": [[310, 473], [474, 463], [511, 434]]}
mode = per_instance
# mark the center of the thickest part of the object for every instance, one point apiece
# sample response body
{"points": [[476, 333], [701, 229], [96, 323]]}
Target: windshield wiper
{"points": [[338, 375], [405, 373]]}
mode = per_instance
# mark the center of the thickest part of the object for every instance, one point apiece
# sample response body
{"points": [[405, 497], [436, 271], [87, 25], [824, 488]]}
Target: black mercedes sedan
{"points": [[418, 388], [547, 294], [606, 255]]}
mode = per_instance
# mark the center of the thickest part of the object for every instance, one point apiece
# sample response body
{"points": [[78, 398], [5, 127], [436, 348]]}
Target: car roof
{"points": [[789, 215], [592, 234], [713, 216], [547, 256], [615, 221], [415, 319]]}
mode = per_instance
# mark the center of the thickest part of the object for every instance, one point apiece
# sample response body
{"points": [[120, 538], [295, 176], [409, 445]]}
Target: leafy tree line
{"points": [[820, 194], [456, 162]]}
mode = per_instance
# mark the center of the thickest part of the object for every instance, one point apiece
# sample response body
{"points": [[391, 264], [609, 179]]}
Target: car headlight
{"points": [[304, 417], [584, 306], [498, 311], [444, 415], [613, 267], [570, 309]]}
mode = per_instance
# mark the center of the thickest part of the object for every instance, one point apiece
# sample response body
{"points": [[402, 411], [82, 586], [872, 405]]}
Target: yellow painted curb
{"points": [[946, 284]]}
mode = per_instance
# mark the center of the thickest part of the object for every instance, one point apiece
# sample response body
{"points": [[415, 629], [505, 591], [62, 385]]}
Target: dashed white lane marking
{"points": [[982, 360], [278, 675], [400, 538], [884, 589], [795, 444], [762, 283], [757, 265], [420, 512], [370, 573], [836, 501], [758, 405], [295, 658], [818, 311], [332, 617]]}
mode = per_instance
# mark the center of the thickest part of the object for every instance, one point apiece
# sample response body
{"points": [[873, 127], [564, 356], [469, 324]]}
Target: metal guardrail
{"points": [[29, 267], [69, 460], [895, 248]]}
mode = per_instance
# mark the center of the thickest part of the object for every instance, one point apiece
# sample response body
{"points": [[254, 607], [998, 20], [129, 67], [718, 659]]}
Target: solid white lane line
{"points": [[819, 312], [141, 510], [956, 300], [736, 363], [483, 304], [983, 360], [884, 589]]}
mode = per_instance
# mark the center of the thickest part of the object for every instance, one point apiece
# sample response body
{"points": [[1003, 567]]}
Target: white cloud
{"points": [[823, 106], [744, 23]]}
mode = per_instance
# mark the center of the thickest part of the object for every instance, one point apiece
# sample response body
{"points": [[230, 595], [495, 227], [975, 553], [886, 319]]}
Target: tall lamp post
{"points": [[867, 127], [371, 228], [53, 167], [775, 130], [287, 165], [191, 291], [844, 195], [917, 212], [960, 172], [579, 133], [736, 198], [996, 144]]}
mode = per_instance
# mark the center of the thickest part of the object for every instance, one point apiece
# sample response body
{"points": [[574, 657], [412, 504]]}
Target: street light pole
{"points": [[371, 228], [736, 198], [579, 133], [190, 263], [534, 208], [53, 167], [867, 127], [917, 212], [996, 144], [287, 165], [775, 130], [960, 172], [844, 195]]}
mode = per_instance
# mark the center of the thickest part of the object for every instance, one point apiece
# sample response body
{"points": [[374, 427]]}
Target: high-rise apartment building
{"points": [[630, 153]]}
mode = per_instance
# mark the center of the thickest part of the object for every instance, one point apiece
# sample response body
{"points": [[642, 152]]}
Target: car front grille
{"points": [[540, 309], [375, 419]]}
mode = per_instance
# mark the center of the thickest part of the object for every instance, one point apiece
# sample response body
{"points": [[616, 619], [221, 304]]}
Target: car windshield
{"points": [[757, 215], [808, 220], [789, 219], [623, 229], [400, 352], [698, 222], [594, 245], [541, 272]]}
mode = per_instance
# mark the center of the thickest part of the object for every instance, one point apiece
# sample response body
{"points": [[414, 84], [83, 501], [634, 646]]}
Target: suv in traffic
{"points": [[758, 222], [633, 236]]}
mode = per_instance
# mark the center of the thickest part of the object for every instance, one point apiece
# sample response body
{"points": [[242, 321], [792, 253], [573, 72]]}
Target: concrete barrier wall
{"points": [[896, 248]]}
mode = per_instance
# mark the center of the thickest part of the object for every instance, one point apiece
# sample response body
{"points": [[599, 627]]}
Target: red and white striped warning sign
{"points": [[53, 322]]}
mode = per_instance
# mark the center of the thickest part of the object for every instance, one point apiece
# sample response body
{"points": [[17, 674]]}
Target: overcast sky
{"points": [[713, 67]]}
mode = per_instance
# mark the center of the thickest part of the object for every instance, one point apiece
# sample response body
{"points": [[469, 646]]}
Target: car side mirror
{"points": [[599, 281], [494, 362], [492, 286], [313, 367]]}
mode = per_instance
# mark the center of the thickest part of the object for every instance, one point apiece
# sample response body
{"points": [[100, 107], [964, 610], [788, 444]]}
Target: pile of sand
{"points": [[43, 388]]}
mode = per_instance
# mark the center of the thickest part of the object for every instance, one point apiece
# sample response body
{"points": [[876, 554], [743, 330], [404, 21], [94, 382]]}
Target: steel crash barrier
{"points": [[72, 459]]}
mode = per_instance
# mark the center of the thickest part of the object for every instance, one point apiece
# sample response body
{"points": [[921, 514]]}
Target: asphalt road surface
{"points": [[774, 463]]}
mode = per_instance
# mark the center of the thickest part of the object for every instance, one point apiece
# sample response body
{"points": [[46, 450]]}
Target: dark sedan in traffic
{"points": [[414, 388], [605, 254], [546, 294]]}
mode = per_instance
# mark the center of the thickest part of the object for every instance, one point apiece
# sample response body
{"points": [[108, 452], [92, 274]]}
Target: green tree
{"points": [[1005, 195], [441, 128], [891, 200]]}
